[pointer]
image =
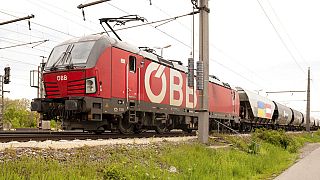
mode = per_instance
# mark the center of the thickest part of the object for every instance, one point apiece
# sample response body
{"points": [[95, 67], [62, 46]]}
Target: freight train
{"points": [[97, 83]]}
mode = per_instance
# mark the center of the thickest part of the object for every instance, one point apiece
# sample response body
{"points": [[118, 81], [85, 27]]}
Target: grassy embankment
{"points": [[274, 152]]}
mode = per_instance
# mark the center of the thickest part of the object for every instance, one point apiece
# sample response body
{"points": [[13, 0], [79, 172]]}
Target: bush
{"points": [[113, 172], [278, 138]]}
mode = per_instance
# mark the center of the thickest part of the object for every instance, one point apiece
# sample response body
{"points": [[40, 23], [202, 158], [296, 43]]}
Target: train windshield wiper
{"points": [[68, 59], [54, 65]]}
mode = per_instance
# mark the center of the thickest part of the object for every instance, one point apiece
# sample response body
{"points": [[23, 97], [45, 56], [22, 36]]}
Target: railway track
{"points": [[24, 136]]}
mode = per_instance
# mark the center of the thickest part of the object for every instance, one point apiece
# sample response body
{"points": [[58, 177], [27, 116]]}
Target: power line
{"points": [[280, 37], [284, 29], [21, 33], [76, 15], [43, 41], [22, 41], [218, 49], [235, 72], [33, 48], [17, 61], [42, 25], [22, 52], [64, 17], [189, 46], [181, 42]]}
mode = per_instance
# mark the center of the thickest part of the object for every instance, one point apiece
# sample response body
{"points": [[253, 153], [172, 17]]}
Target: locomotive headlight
{"points": [[91, 85]]}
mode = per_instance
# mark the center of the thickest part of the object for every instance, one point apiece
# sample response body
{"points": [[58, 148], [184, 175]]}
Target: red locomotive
{"points": [[97, 83]]}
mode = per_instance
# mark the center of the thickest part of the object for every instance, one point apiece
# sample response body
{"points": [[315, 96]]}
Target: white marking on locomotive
{"points": [[191, 91], [160, 69], [62, 78], [174, 88]]}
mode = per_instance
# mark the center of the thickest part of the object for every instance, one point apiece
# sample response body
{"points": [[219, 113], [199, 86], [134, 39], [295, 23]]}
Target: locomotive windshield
{"points": [[69, 55]]}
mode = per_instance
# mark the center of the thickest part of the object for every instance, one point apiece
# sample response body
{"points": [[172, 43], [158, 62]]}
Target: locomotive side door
{"points": [[132, 78]]}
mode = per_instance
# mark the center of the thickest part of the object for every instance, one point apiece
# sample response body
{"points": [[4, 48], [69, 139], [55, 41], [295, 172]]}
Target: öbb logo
{"points": [[176, 86], [62, 78]]}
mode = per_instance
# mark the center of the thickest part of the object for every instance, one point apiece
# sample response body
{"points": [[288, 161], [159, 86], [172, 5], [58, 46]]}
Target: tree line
{"points": [[17, 114]]}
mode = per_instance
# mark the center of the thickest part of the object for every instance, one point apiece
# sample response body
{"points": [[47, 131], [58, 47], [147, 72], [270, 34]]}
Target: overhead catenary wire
{"points": [[235, 72], [280, 37], [23, 52], [17, 61], [183, 43], [42, 50], [158, 21], [286, 32], [64, 17], [24, 44], [66, 11], [44, 26], [211, 45], [42, 41], [21, 33]]}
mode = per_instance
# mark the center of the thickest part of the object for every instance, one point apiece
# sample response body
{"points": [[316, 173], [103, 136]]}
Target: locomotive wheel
{"points": [[161, 128], [187, 130], [124, 126], [137, 128], [100, 130]]}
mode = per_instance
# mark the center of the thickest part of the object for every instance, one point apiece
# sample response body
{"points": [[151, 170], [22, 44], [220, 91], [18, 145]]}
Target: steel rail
{"points": [[55, 136]]}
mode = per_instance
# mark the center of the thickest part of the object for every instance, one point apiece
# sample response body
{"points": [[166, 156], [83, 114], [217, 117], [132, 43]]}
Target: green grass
{"points": [[189, 160]]}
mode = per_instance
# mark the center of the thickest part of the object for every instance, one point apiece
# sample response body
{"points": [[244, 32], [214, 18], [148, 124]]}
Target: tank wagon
{"points": [[258, 111], [98, 83]]}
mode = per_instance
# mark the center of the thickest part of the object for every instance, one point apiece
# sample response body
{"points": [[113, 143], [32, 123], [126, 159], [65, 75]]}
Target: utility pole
{"points": [[308, 103], [2, 102], [203, 124]]}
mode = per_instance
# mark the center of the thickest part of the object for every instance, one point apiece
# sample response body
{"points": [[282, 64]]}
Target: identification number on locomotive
{"points": [[62, 78]]}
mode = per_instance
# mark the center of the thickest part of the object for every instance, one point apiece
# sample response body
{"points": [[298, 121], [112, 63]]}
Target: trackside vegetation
{"points": [[262, 155]]}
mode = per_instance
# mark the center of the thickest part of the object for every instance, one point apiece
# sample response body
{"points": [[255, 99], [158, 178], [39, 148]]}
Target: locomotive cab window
{"points": [[132, 63]]}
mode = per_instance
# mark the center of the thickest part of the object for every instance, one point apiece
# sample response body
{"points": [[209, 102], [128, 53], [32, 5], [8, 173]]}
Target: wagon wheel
{"points": [[124, 126]]}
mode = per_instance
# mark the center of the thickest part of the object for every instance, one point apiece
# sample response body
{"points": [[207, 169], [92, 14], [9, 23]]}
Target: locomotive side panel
{"points": [[104, 74], [118, 73], [163, 85], [222, 101]]}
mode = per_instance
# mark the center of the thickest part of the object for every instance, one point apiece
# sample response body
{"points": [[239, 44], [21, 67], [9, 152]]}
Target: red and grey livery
{"points": [[97, 83]]}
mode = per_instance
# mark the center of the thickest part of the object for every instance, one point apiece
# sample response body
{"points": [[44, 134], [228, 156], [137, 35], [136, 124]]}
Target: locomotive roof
{"points": [[134, 49], [127, 47]]}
